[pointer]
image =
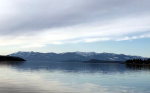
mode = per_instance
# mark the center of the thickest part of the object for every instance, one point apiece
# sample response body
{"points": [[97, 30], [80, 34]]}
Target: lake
{"points": [[73, 77]]}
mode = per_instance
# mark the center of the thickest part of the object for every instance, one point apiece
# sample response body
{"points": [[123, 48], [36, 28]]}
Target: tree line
{"points": [[138, 61]]}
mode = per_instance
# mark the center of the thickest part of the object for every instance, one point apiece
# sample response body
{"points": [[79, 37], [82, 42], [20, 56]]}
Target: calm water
{"points": [[58, 77]]}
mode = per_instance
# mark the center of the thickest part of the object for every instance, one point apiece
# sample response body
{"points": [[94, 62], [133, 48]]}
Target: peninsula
{"points": [[10, 58]]}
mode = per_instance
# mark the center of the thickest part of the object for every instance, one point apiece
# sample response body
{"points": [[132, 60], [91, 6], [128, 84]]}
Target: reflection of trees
{"points": [[138, 63], [11, 62]]}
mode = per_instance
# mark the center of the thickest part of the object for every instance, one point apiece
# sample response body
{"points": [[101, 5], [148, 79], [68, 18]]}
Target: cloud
{"points": [[35, 23]]}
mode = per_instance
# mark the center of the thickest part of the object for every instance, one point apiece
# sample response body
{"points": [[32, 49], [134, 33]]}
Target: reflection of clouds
{"points": [[93, 88], [21, 81], [15, 81]]}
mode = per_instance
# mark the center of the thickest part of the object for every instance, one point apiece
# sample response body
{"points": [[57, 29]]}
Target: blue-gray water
{"points": [[61, 77]]}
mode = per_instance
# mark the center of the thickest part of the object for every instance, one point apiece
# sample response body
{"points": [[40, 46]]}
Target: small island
{"points": [[10, 58]]}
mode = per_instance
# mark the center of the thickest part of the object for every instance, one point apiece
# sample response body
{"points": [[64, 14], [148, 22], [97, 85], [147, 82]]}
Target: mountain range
{"points": [[74, 56]]}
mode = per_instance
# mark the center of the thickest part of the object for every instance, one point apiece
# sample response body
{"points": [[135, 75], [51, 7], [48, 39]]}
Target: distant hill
{"points": [[10, 58], [74, 56]]}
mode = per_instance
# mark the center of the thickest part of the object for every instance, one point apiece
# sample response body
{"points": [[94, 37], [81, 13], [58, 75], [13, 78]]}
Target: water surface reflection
{"points": [[43, 77]]}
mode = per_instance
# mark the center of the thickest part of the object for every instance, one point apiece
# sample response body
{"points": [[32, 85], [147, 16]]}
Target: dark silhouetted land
{"points": [[138, 62], [10, 58]]}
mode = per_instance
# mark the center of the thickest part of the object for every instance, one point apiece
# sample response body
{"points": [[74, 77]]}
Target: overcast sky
{"points": [[53, 25]]}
